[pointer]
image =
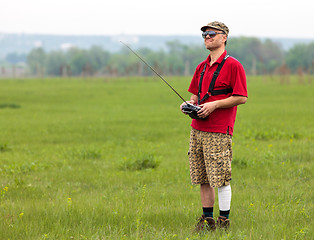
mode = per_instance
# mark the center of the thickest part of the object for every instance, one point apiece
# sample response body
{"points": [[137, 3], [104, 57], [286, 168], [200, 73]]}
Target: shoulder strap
{"points": [[211, 90], [216, 73], [200, 85]]}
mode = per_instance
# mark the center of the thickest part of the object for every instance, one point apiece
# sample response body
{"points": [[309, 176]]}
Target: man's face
{"points": [[218, 41]]}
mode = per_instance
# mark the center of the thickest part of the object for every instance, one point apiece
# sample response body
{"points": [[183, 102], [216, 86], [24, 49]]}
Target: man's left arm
{"points": [[209, 107]]}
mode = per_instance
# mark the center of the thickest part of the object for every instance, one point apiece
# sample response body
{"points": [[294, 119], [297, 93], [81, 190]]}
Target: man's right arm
{"points": [[193, 99]]}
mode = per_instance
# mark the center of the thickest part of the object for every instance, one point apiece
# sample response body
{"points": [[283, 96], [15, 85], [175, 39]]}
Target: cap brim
{"points": [[204, 28]]}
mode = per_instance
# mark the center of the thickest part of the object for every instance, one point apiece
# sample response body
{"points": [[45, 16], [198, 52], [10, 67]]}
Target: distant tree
{"points": [[97, 58], [296, 57], [310, 57], [36, 61], [77, 60], [247, 51], [195, 55], [154, 58], [257, 57], [117, 64], [185, 58], [273, 55], [55, 63], [301, 56]]}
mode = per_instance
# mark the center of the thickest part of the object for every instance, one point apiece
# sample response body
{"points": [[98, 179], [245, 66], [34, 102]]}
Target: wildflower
{"points": [[3, 191], [69, 201], [21, 214]]}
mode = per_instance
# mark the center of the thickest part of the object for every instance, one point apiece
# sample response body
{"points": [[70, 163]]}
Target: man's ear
{"points": [[225, 37]]}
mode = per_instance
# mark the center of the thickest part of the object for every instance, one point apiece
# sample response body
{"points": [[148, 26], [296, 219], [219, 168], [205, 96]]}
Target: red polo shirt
{"points": [[232, 75]]}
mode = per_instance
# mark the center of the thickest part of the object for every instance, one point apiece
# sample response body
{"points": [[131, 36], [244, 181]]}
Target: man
{"points": [[210, 151]]}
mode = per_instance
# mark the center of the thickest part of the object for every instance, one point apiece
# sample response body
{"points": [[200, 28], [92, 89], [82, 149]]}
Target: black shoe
{"points": [[205, 223], [223, 222]]}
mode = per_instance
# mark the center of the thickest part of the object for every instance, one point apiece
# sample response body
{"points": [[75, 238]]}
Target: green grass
{"points": [[107, 159]]}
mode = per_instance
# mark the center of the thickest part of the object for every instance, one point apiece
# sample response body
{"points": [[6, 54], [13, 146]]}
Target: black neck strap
{"points": [[211, 91]]}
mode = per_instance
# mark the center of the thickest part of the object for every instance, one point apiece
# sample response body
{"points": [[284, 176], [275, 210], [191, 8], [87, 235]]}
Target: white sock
{"points": [[224, 197]]}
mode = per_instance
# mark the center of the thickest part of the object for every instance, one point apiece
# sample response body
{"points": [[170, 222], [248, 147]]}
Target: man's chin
{"points": [[210, 48]]}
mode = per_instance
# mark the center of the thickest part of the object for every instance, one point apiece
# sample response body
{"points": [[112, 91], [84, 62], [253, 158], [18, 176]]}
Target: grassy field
{"points": [[107, 159]]}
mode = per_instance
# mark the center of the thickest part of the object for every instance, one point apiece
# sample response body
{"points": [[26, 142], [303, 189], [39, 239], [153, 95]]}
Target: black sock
{"points": [[208, 212], [225, 213]]}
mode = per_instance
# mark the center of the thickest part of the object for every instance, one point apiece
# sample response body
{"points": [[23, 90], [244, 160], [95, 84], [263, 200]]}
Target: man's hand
{"points": [[207, 108], [192, 102]]}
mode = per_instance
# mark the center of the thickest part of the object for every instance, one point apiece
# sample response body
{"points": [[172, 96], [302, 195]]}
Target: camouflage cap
{"points": [[217, 25]]}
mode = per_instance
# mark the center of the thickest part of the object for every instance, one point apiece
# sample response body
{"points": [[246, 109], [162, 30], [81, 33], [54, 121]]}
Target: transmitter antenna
{"points": [[155, 72]]}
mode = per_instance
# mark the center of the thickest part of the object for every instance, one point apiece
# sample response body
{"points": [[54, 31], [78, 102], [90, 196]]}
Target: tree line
{"points": [[257, 57]]}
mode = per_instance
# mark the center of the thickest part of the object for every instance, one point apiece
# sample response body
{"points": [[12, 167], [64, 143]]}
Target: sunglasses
{"points": [[211, 34]]}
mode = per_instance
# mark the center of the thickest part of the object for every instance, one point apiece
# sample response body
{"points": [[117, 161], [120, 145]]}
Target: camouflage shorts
{"points": [[210, 157]]}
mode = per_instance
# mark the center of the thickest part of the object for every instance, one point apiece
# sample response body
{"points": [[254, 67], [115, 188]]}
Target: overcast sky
{"points": [[267, 18]]}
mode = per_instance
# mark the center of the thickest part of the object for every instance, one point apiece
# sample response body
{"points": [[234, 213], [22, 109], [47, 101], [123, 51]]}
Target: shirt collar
{"points": [[219, 60]]}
